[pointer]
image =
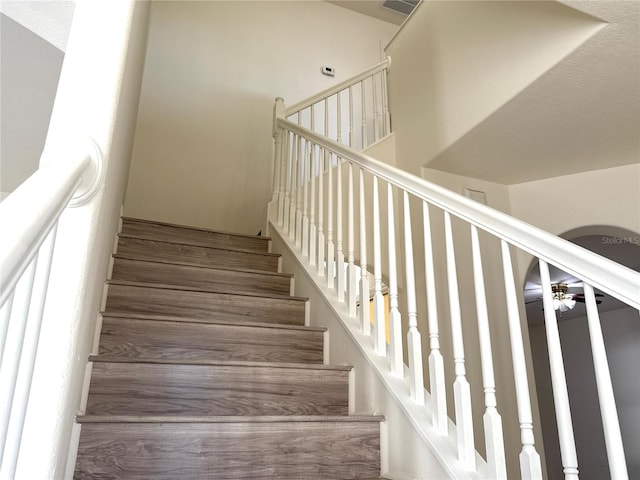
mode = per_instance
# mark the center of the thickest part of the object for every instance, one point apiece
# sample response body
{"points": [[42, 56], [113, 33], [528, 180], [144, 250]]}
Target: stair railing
{"points": [[354, 112], [305, 160], [28, 221]]}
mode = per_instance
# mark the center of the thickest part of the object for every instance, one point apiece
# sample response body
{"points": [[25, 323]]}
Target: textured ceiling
{"points": [[581, 115]]}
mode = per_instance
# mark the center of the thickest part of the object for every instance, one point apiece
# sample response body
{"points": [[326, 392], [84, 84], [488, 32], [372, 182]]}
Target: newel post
{"points": [[276, 204]]}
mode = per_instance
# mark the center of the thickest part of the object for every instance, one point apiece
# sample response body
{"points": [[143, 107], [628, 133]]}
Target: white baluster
{"points": [[530, 466], [351, 269], [608, 410], [395, 320], [379, 337], [365, 320], [321, 246], [493, 435], [28, 357], [339, 119], [284, 158], [10, 361], [376, 113], [331, 257], [558, 379], [299, 189], [437, 381], [414, 342], [294, 180], [364, 116], [351, 132], [306, 167], [339, 263], [313, 232], [461, 389], [385, 106], [286, 211], [326, 120], [5, 317]]}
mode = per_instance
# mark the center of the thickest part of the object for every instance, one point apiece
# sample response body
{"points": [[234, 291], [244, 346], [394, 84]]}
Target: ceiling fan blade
{"points": [[582, 300]]}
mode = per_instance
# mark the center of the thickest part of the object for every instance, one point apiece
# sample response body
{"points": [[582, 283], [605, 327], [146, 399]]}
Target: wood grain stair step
{"points": [[187, 302], [192, 235], [329, 448], [208, 278], [185, 389], [158, 338], [156, 250]]}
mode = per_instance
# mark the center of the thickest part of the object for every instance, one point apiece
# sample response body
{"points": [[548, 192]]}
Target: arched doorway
{"points": [[621, 330]]}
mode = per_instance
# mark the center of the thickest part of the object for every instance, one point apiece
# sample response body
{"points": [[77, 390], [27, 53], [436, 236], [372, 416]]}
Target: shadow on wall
{"points": [[621, 331]]}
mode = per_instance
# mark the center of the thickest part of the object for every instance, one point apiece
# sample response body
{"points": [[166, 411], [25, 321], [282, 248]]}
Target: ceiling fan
{"points": [[562, 299]]}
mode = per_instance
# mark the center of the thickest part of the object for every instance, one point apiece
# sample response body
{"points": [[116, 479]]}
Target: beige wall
{"points": [[452, 66], [608, 197], [202, 152]]}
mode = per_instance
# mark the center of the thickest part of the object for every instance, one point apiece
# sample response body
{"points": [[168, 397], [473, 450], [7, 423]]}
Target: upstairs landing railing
{"points": [[317, 208], [354, 112], [28, 222]]}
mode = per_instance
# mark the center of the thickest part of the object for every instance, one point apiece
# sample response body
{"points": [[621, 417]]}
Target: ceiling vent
{"points": [[405, 7]]}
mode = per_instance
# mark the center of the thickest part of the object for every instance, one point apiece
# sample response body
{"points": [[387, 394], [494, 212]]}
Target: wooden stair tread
{"points": [[231, 363], [173, 389], [156, 299], [165, 286], [219, 448], [187, 227], [197, 255], [230, 419], [203, 278], [170, 318], [198, 245], [205, 267]]}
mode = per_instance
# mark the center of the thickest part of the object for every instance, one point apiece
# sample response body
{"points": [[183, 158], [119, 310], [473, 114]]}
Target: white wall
{"points": [[29, 72], [608, 197], [98, 96], [202, 153], [455, 63], [621, 331]]}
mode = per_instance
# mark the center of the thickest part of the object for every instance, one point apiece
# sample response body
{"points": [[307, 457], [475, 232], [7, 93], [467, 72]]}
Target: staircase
{"points": [[205, 369]]}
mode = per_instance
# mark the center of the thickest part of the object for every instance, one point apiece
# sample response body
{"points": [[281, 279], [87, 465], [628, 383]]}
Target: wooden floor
{"points": [[206, 370]]}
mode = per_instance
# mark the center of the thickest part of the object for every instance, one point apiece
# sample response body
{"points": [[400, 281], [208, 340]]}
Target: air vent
{"points": [[405, 7]]}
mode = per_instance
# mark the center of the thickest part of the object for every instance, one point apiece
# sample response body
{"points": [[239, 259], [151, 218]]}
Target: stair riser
{"points": [[171, 233], [206, 278], [155, 340], [211, 390], [203, 305], [246, 450], [195, 255]]}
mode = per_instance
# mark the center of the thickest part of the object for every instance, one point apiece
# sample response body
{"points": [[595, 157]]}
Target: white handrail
{"points": [[610, 277], [26, 222], [339, 87]]}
